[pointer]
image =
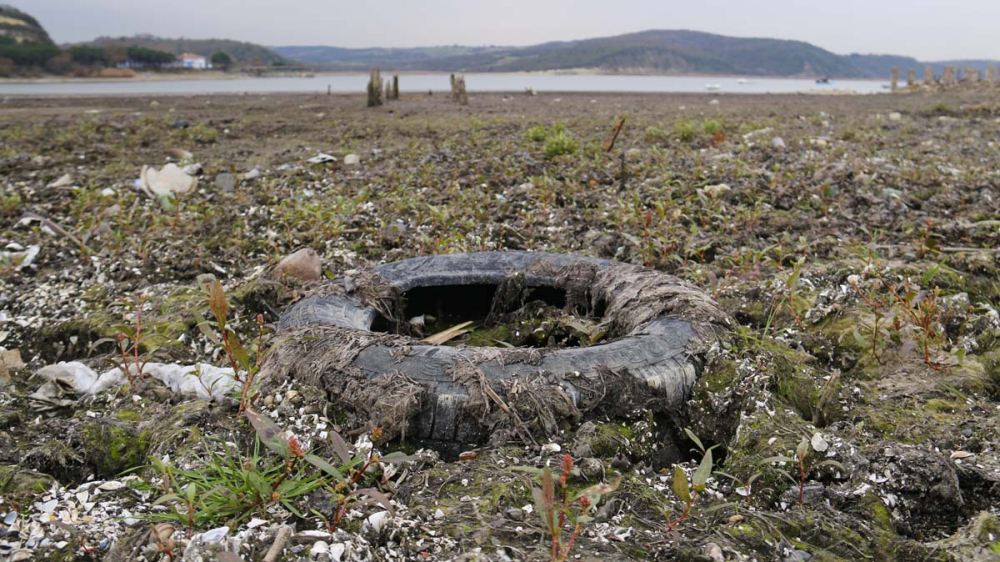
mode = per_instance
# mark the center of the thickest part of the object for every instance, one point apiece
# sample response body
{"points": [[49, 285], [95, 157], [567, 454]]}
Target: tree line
{"points": [[83, 60]]}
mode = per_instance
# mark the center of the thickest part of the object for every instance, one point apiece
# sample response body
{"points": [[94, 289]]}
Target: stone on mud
{"points": [[303, 265]]}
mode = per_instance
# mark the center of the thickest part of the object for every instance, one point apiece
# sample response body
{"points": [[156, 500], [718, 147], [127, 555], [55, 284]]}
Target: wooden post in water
{"points": [[463, 97], [395, 86], [375, 88], [894, 79], [928, 75], [911, 78], [948, 76], [458, 89]]}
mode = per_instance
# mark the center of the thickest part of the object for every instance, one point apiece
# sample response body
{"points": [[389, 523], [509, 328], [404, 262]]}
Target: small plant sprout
{"points": [[801, 455], [686, 491], [131, 360], [570, 508], [744, 488], [244, 367]]}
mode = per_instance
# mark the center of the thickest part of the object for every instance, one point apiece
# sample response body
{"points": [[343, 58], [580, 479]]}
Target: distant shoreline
{"points": [[216, 75]]}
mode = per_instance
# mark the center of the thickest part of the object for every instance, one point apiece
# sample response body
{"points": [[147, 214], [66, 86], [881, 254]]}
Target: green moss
{"points": [[791, 380], [128, 415], [23, 483], [610, 439], [937, 405], [111, 448], [986, 527], [876, 512], [719, 377]]}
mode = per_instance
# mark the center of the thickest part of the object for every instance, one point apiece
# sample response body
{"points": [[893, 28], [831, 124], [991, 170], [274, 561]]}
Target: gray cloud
{"points": [[927, 29]]}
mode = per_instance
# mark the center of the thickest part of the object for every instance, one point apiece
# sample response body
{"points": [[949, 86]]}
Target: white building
{"points": [[189, 60]]}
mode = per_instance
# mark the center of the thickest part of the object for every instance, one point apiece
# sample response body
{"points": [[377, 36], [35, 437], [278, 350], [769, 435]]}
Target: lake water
{"points": [[355, 83]]}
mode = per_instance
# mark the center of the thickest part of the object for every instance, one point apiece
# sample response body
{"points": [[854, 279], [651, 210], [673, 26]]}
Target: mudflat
{"points": [[851, 410]]}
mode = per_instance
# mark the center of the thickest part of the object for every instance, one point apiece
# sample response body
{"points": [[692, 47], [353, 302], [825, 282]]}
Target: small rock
{"points": [[352, 159], [551, 448], [583, 450], [395, 230], [10, 518], [713, 102], [179, 124], [514, 514], [303, 265], [438, 514], [714, 552], [154, 104], [111, 486], [778, 143], [895, 116], [591, 468], [337, 551], [108, 192], [714, 191], [49, 506], [818, 443], [252, 174], [621, 462], [225, 182]]}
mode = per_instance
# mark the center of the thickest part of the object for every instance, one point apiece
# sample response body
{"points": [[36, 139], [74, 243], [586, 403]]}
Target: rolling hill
{"points": [[243, 53], [20, 28], [646, 52]]}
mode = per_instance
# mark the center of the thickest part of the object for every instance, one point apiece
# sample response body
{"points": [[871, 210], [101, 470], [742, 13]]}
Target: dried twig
{"points": [[609, 143], [280, 538], [445, 336], [57, 228]]}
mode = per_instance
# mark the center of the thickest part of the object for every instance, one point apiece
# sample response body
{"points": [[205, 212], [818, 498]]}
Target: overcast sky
{"points": [[926, 29]]}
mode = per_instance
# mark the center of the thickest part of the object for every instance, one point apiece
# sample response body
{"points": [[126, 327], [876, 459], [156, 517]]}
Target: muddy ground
{"points": [[857, 255]]}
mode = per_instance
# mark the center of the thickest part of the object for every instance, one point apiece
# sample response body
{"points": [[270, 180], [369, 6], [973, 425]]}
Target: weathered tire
{"points": [[664, 353]]}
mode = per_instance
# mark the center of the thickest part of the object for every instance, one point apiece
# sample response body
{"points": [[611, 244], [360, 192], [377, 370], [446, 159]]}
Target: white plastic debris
{"points": [[322, 158], [319, 548], [352, 159], [166, 181], [377, 520], [22, 258], [65, 180], [201, 380], [215, 536]]}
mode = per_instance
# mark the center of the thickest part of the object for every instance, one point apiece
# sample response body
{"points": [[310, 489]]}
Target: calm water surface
{"points": [[355, 83]]}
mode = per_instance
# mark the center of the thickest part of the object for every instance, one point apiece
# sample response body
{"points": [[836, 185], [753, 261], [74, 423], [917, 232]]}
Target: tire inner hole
{"points": [[509, 314]]}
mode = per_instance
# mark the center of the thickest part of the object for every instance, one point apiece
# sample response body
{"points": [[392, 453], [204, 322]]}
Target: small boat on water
{"points": [[713, 87], [823, 80]]}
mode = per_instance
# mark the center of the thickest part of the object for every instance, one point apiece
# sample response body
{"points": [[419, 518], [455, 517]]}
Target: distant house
{"points": [[189, 60]]}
